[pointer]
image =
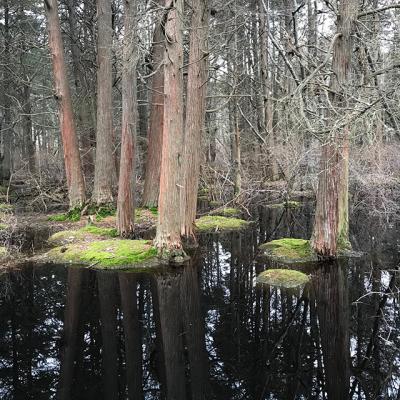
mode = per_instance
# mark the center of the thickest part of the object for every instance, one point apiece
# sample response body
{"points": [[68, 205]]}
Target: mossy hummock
{"points": [[113, 253], [286, 278], [88, 233], [289, 251], [216, 223]]}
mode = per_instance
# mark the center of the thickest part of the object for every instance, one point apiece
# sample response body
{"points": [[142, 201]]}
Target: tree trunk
{"points": [[331, 224], [125, 203], [104, 174], [75, 180], [84, 96], [195, 111], [267, 110], [168, 238], [156, 124], [6, 131]]}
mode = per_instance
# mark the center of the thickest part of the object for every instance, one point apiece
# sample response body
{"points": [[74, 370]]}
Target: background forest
{"points": [[269, 105]]}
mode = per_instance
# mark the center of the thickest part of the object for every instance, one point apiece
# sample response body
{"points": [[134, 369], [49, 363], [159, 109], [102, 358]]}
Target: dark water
{"points": [[207, 331]]}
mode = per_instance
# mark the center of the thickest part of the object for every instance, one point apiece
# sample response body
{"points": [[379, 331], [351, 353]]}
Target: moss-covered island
{"points": [[88, 233], [289, 251], [112, 253], [286, 278], [217, 223]]}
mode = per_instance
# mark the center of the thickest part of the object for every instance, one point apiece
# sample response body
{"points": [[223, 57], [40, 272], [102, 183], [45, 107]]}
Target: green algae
{"points": [[289, 250], [210, 223], [105, 253], [286, 278]]}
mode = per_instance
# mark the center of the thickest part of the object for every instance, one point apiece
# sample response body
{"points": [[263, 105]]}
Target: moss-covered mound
{"points": [[216, 223], [88, 233], [289, 251], [286, 278], [226, 212], [105, 253]]}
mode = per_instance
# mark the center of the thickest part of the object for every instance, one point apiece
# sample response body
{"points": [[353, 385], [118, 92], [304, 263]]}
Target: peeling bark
{"points": [[195, 111], [104, 174], [156, 124], [168, 237], [73, 170], [125, 202]]}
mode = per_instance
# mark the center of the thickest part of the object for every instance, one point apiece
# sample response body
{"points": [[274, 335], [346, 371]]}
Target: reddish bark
{"points": [[73, 170], [195, 111], [156, 124], [125, 203], [105, 174], [168, 238], [331, 224]]}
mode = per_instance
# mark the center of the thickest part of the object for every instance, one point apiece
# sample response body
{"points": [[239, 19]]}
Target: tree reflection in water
{"points": [[207, 331]]}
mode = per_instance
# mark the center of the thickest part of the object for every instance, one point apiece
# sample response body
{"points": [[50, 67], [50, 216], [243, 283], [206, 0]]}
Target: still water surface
{"points": [[207, 331]]}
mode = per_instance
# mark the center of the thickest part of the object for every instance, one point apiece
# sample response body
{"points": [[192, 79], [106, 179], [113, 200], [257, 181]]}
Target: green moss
{"points": [[153, 210], [3, 251], [102, 212], [105, 253], [100, 231], [211, 223], [3, 226], [72, 215], [226, 212], [289, 250], [203, 192], [286, 278], [65, 237], [89, 232]]}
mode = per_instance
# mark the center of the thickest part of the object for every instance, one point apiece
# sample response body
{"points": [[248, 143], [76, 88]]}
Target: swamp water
{"points": [[208, 331]]}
